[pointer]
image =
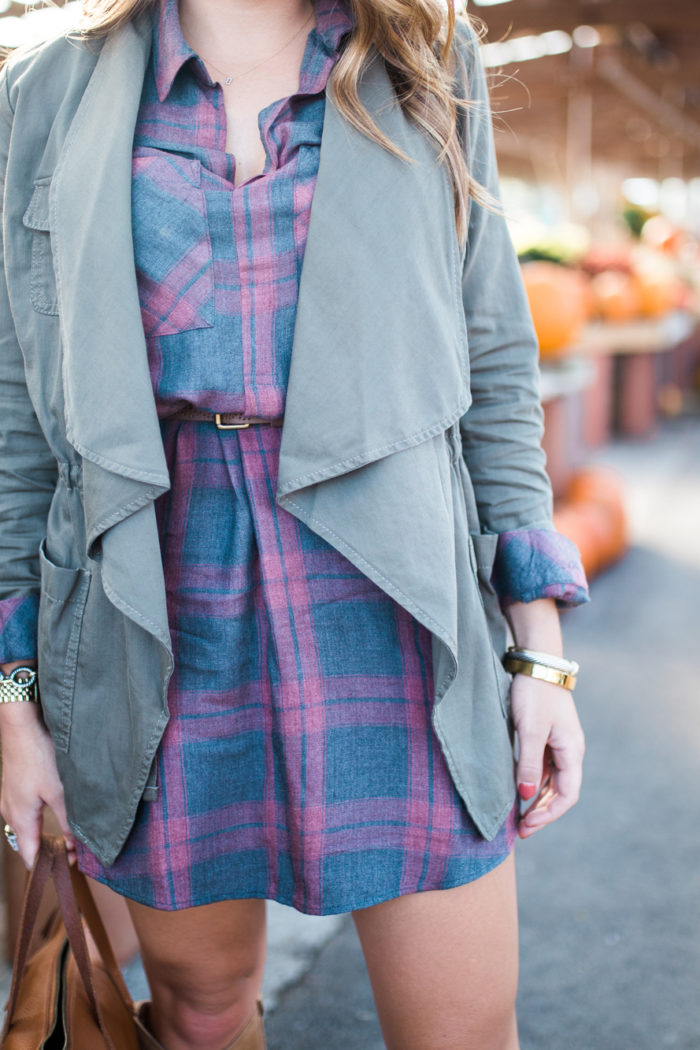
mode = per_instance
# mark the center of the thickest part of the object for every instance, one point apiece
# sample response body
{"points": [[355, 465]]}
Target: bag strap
{"points": [[88, 908], [76, 936], [74, 898], [38, 878]]}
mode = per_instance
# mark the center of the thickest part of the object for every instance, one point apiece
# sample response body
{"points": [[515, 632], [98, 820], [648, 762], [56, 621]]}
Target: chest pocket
{"points": [[172, 247], [42, 286]]}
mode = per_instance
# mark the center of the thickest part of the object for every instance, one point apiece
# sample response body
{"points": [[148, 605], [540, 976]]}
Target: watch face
{"points": [[28, 675], [19, 684]]}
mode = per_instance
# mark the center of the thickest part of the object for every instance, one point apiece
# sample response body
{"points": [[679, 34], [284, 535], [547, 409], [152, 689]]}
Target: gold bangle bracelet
{"points": [[559, 663], [541, 671]]}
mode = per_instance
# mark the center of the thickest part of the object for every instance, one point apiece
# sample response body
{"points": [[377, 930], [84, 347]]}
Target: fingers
{"points": [[30, 781], [28, 832], [562, 792], [27, 828], [551, 748], [531, 771], [58, 806]]}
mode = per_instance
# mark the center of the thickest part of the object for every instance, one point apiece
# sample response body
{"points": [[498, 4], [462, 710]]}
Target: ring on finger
{"points": [[11, 837]]}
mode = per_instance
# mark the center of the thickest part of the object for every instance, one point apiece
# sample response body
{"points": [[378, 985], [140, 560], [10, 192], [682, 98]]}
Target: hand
{"points": [[552, 746], [30, 779]]}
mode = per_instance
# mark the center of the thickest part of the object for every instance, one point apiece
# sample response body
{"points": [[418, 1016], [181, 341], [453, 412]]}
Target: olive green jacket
{"points": [[412, 422]]}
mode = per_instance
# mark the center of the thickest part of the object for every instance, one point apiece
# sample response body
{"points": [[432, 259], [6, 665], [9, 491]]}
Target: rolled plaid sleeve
{"points": [[18, 628], [539, 563]]}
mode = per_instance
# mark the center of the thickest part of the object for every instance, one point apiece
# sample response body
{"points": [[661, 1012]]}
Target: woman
{"points": [[269, 656]]}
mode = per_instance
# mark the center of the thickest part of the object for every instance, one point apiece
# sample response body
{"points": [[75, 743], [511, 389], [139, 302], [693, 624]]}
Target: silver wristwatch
{"points": [[15, 689]]}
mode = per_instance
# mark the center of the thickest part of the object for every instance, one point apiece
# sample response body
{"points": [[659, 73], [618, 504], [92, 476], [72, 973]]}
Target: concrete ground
{"points": [[610, 896]]}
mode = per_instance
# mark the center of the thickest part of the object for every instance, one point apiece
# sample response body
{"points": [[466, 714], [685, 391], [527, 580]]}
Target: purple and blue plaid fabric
{"points": [[299, 763], [19, 618]]}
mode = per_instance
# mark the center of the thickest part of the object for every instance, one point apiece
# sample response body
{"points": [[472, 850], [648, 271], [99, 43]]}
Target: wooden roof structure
{"points": [[632, 101]]}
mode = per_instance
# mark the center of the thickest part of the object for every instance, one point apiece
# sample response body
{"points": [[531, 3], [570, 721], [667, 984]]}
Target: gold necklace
{"points": [[229, 79]]}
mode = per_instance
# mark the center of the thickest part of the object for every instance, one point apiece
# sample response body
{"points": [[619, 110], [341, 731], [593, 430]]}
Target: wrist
{"points": [[535, 625], [546, 667], [18, 718], [6, 668]]}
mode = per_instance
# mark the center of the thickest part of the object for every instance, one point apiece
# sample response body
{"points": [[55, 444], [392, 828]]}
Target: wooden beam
{"points": [[644, 98], [539, 16]]}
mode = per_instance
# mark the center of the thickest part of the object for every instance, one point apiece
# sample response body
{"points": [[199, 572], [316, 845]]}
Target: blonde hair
{"points": [[414, 37]]}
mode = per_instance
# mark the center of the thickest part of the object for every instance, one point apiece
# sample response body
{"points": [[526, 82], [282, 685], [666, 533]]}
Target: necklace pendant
{"points": [[228, 80]]}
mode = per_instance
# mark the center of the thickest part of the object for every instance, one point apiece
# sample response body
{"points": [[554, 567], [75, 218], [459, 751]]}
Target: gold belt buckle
{"points": [[229, 426]]}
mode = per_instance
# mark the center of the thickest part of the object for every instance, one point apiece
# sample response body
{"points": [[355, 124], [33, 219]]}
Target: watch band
{"points": [[16, 690]]}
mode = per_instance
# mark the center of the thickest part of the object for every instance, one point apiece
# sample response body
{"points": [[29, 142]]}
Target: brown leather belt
{"points": [[224, 420]]}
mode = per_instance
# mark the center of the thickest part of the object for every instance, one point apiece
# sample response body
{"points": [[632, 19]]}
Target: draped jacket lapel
{"points": [[378, 297], [379, 357]]}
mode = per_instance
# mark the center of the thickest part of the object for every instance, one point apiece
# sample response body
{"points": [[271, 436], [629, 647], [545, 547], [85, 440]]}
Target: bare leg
{"points": [[204, 967], [115, 915], [444, 965]]}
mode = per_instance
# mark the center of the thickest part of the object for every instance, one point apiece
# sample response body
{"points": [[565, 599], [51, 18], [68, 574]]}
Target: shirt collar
{"points": [[171, 51]]}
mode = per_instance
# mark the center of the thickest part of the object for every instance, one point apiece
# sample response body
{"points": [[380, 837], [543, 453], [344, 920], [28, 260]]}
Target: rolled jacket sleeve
{"points": [[28, 467], [539, 563], [502, 429], [18, 628]]}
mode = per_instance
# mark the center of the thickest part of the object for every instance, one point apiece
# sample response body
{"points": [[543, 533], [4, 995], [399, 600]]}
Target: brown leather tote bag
{"points": [[60, 999]]}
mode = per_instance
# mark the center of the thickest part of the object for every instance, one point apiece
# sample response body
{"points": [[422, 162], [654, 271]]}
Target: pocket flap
{"points": [[36, 217], [63, 585], [484, 544]]}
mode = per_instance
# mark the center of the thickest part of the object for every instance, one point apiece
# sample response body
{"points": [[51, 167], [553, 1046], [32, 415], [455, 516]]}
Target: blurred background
{"points": [[597, 118]]}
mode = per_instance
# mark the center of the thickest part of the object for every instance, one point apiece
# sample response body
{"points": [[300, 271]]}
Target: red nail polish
{"points": [[527, 791]]}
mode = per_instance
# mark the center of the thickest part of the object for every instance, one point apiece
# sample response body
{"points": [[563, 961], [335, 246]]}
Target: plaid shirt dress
{"points": [[299, 763]]}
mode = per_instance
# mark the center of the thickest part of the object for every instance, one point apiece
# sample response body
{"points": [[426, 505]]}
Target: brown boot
{"points": [[146, 1040], [253, 1035], [251, 1038]]}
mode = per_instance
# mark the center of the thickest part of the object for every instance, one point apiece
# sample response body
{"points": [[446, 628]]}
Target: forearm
{"points": [[11, 664], [535, 625]]}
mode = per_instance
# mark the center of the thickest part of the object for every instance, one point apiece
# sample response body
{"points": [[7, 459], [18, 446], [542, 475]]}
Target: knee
{"points": [[204, 968], [205, 1007], [206, 1018], [214, 1024]]}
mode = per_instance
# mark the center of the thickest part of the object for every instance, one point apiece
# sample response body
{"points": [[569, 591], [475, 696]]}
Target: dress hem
{"points": [[484, 869]]}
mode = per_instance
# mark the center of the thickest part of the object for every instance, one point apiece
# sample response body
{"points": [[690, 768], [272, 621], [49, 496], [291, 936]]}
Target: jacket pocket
{"points": [[42, 285], [61, 606], [172, 246], [482, 553]]}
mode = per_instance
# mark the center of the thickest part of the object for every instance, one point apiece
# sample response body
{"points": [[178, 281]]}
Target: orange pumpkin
{"points": [[572, 523], [657, 292], [594, 518], [602, 257], [595, 484], [661, 234], [557, 298], [616, 296]]}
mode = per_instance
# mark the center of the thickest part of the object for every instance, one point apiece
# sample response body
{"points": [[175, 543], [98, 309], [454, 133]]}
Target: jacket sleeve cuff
{"points": [[18, 628], [539, 563]]}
